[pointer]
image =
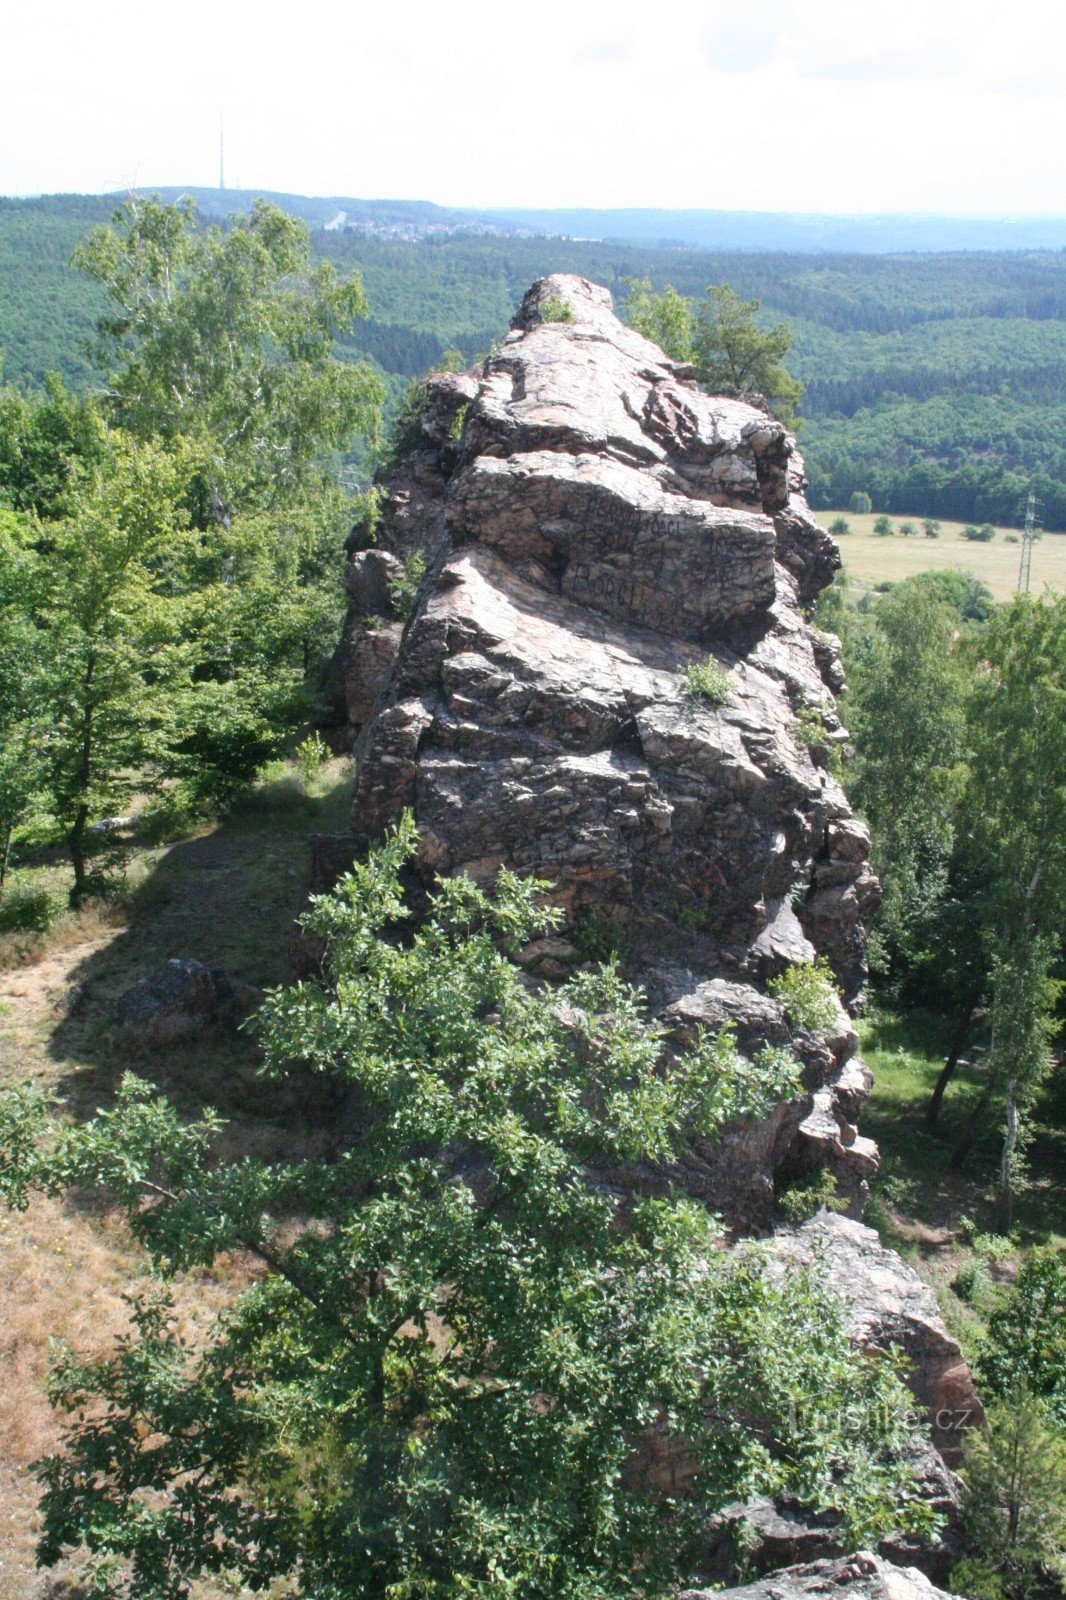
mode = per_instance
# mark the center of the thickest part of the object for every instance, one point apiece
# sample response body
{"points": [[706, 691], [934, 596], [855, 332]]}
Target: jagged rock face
{"points": [[600, 525], [594, 524], [862, 1576]]}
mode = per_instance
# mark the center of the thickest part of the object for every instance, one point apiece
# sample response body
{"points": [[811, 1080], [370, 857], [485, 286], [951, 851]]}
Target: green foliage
{"points": [[1014, 1503], [973, 1283], [707, 680], [883, 526], [907, 530], [404, 590], [439, 1383], [27, 909], [721, 336], [809, 729], [808, 993], [799, 1199], [734, 355], [598, 939], [1024, 1351], [1015, 816], [933, 382], [982, 534], [226, 338], [839, 527], [555, 309], [667, 319], [907, 719], [931, 527], [859, 503], [310, 754]]}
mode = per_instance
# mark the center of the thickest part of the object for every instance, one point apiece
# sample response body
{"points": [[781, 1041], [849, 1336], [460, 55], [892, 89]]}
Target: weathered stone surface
{"points": [[596, 526], [862, 1576], [889, 1306], [179, 1001]]}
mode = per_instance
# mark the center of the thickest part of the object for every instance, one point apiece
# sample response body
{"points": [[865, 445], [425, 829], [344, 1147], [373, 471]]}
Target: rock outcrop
{"points": [[862, 1576], [594, 525]]}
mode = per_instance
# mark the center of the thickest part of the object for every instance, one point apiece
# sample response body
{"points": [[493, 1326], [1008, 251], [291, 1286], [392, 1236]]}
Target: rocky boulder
{"points": [[862, 1576], [180, 1000]]}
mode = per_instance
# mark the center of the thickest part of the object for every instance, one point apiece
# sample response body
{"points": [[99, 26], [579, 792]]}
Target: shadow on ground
{"points": [[229, 898]]}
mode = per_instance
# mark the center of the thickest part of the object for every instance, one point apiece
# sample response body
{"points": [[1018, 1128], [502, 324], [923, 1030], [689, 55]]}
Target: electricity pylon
{"points": [[1025, 566]]}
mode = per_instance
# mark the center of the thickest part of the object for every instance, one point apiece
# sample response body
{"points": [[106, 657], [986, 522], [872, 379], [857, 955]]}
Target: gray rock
{"points": [[179, 1001], [862, 1576]]}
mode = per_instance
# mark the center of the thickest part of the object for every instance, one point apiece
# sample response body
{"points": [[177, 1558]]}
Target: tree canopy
{"points": [[469, 1333]]}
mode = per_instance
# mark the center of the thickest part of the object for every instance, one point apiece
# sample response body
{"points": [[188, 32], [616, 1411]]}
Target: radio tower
{"points": [[221, 158], [1028, 540]]}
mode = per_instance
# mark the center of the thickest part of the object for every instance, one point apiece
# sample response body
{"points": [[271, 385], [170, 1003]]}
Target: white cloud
{"points": [[785, 104]]}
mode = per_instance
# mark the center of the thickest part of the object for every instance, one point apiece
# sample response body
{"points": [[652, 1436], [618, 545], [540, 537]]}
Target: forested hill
{"points": [[935, 382]]}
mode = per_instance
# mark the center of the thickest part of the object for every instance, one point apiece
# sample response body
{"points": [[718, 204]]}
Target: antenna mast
{"points": [[1028, 540]]}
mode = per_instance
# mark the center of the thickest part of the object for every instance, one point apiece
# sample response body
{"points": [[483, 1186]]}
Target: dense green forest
{"points": [[935, 383]]}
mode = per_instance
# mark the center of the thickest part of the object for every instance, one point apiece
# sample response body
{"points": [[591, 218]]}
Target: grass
{"points": [[940, 1219], [227, 893], [870, 559]]}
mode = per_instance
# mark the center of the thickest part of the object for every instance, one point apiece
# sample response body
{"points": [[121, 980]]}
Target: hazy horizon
{"points": [[822, 108]]}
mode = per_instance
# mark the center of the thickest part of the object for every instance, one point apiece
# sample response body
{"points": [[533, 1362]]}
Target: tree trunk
{"points": [[5, 856], [974, 1126], [76, 836], [76, 845], [1006, 1163], [932, 1110]]}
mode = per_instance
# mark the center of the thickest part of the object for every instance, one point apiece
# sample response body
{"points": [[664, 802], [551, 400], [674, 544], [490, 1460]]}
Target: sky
{"points": [[950, 106]]}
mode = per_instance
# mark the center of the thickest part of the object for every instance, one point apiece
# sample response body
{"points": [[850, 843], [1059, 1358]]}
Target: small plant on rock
{"points": [[555, 309], [809, 995], [799, 1199], [402, 592], [707, 680]]}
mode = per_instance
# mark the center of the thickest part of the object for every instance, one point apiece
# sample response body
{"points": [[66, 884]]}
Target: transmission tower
{"points": [[1028, 540]]}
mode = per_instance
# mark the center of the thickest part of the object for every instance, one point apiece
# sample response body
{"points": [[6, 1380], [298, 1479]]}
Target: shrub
{"points": [[860, 504], [310, 754], [883, 526], [555, 309], [403, 590], [839, 527], [931, 527], [808, 993], [982, 534], [908, 530], [973, 1283], [26, 909], [799, 1199], [707, 680]]}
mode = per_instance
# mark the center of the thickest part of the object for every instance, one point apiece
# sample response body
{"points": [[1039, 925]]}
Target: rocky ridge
{"points": [[593, 525]]}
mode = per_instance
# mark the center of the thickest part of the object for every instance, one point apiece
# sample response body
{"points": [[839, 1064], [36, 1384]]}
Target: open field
{"points": [[871, 558]]}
